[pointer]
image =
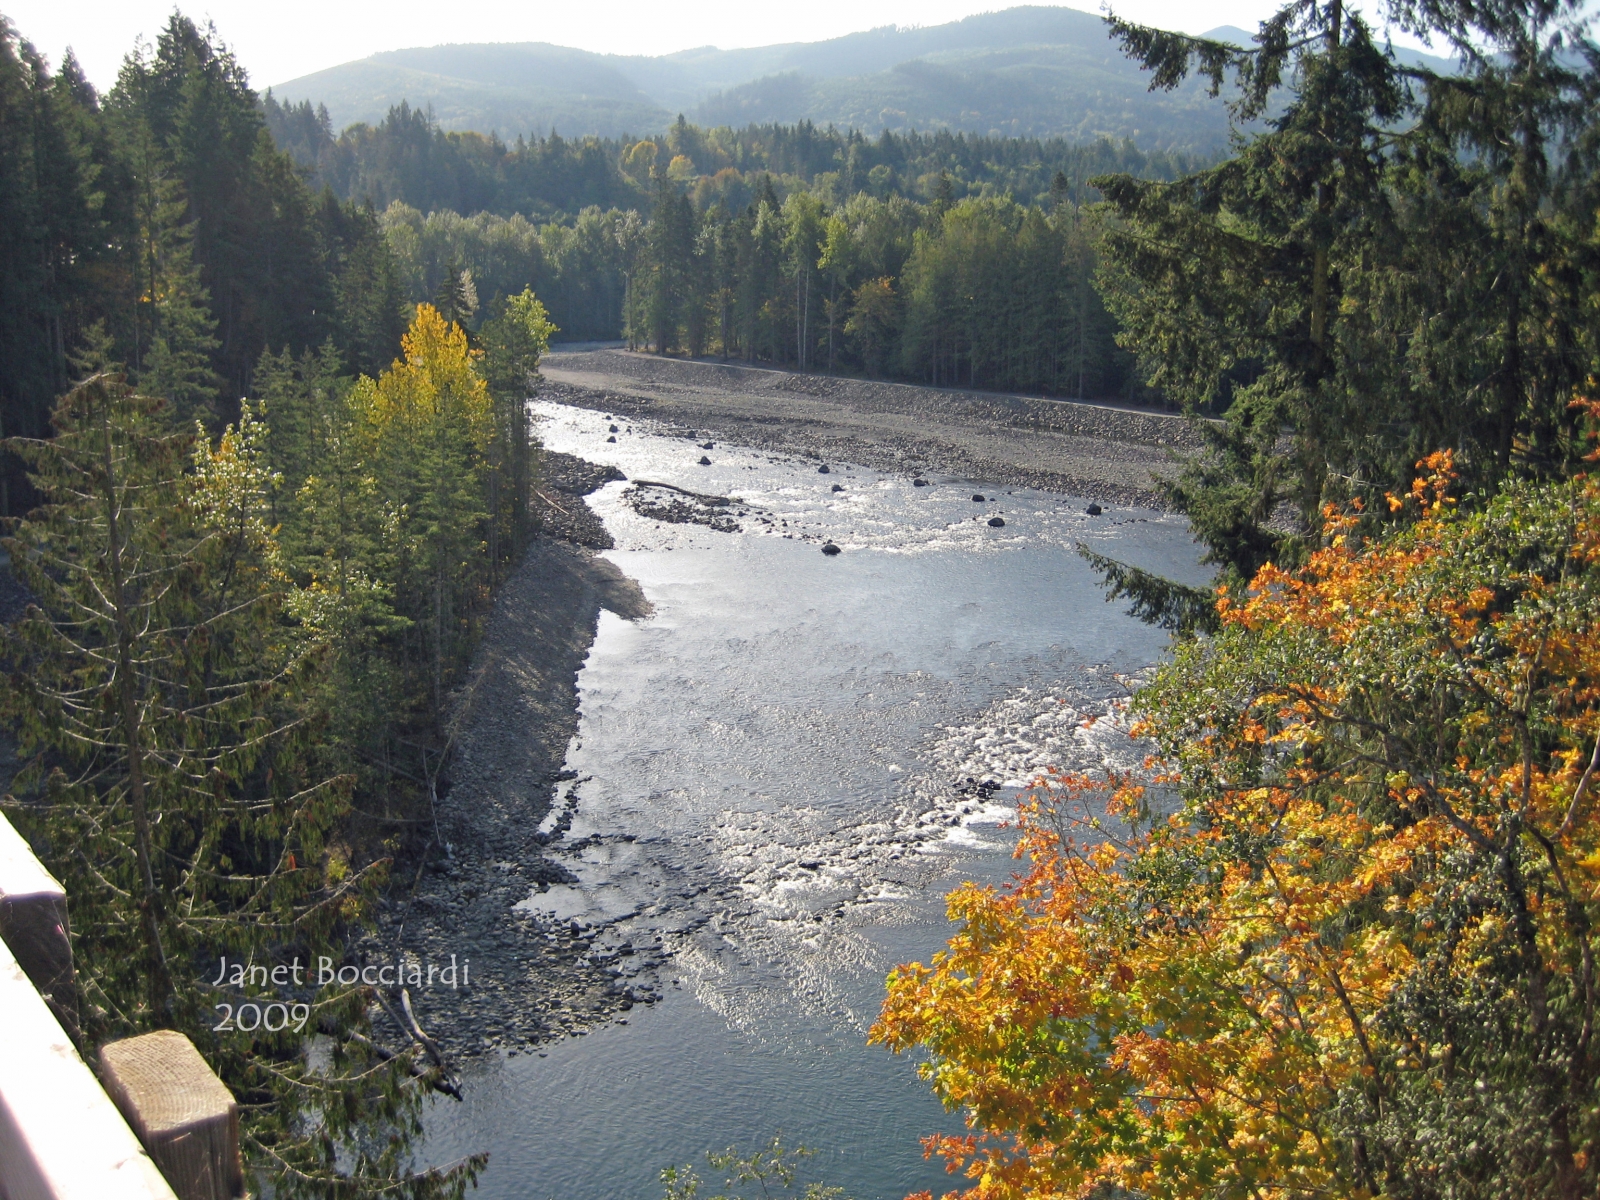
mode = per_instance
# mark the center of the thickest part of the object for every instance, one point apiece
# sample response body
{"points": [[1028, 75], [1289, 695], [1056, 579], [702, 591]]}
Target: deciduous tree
{"points": [[1339, 938]]}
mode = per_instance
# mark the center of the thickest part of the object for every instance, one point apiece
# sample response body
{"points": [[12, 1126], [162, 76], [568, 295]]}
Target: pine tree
{"points": [[1312, 288], [369, 307], [457, 298], [514, 342], [54, 238], [159, 690], [425, 428], [173, 333]]}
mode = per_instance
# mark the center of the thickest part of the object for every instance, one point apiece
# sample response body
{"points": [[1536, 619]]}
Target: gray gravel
{"points": [[1098, 451], [558, 509], [532, 979]]}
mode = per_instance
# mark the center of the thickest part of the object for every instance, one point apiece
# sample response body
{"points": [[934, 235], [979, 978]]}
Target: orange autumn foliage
{"points": [[1338, 938]]}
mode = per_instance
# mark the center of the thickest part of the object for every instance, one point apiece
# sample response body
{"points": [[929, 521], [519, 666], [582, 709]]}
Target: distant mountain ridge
{"points": [[1033, 70], [1029, 71]]}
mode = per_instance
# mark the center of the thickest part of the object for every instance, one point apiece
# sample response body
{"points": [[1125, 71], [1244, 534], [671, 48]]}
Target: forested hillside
{"points": [[160, 226], [904, 256], [1029, 71], [409, 156]]}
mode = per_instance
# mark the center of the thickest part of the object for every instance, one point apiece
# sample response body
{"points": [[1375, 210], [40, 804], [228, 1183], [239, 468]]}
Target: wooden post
{"points": [[184, 1115], [60, 1137], [33, 922]]}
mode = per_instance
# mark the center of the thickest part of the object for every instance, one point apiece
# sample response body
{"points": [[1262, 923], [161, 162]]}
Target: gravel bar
{"points": [[1096, 451]]}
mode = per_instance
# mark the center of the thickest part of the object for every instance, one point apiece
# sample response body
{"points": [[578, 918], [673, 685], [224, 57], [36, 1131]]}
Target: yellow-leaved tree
{"points": [[425, 428]]}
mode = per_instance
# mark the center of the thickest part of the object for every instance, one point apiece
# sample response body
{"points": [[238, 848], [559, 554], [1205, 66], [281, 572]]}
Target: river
{"points": [[778, 775]]}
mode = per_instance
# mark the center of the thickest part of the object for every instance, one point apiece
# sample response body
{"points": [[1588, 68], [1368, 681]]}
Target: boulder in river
{"points": [[830, 549], [919, 483], [977, 497], [997, 522], [614, 429], [704, 461], [1094, 510], [838, 487], [823, 469], [611, 439], [708, 445]]}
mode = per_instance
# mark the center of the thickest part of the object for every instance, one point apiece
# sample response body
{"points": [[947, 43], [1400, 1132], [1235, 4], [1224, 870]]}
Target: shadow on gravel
{"points": [[531, 978]]}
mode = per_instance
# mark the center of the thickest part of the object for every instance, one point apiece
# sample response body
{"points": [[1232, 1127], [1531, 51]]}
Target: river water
{"points": [[779, 774]]}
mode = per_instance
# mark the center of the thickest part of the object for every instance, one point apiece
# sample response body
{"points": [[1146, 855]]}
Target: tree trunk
{"points": [[127, 690]]}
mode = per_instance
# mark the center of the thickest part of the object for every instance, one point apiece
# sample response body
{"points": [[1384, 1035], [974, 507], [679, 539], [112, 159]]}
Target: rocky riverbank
{"points": [[1101, 452], [528, 978], [505, 821]]}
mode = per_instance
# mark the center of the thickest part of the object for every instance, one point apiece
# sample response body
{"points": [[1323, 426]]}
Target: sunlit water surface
{"points": [[796, 728]]}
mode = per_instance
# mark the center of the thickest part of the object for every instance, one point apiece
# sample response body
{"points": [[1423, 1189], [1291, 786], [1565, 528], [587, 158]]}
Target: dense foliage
{"points": [[904, 256], [1339, 938], [229, 695], [409, 158], [1398, 263], [981, 291], [162, 218]]}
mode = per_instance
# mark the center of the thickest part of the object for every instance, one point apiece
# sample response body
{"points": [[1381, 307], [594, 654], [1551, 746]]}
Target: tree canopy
{"points": [[1339, 937]]}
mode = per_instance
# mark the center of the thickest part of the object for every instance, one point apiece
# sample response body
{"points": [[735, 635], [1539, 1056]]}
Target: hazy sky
{"points": [[277, 40]]}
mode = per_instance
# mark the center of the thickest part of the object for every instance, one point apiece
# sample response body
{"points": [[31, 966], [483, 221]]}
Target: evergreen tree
{"points": [[456, 301], [425, 428], [53, 238], [369, 306], [513, 342], [173, 333], [159, 695], [1312, 288], [665, 283]]}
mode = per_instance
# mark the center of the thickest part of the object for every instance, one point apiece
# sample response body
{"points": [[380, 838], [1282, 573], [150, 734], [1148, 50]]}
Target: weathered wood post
{"points": [[33, 922], [60, 1137], [184, 1115]]}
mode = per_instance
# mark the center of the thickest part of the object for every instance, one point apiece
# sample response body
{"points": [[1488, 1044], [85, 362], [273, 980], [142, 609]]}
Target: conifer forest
{"points": [[268, 460]]}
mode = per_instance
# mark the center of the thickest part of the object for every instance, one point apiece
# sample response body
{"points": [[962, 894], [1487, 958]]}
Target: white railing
{"points": [[61, 1136]]}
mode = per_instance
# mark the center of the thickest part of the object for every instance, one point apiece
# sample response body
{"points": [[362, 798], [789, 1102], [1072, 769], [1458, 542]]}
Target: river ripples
{"points": [[778, 775]]}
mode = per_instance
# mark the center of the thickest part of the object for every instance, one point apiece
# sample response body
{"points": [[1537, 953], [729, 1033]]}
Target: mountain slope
{"points": [[1033, 71], [510, 88]]}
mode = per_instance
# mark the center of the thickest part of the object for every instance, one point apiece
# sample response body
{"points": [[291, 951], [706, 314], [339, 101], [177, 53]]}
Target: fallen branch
{"points": [[700, 496], [551, 503], [436, 1082], [446, 1081]]}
